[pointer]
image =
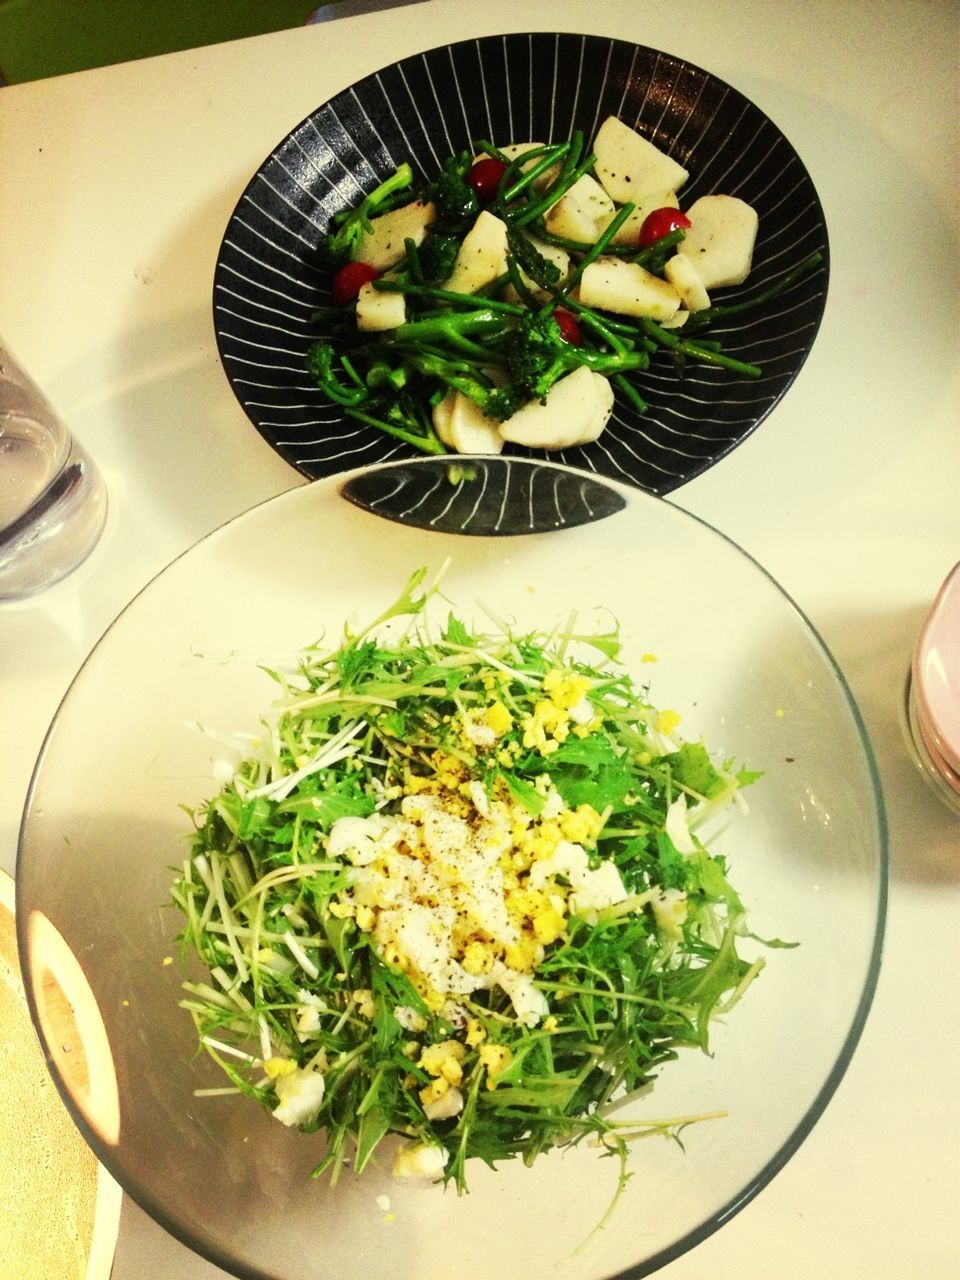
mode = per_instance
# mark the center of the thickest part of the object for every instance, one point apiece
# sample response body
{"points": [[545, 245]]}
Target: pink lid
{"points": [[936, 672]]}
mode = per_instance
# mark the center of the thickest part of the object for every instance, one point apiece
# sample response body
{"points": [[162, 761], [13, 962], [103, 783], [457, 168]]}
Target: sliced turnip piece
{"points": [[579, 212], [685, 278], [383, 245], [482, 256], [576, 410], [470, 430], [676, 321], [378, 310], [630, 167], [626, 288], [442, 412], [721, 239]]}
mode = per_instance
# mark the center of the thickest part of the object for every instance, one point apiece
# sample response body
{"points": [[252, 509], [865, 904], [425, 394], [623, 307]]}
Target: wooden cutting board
{"points": [[59, 1209]]}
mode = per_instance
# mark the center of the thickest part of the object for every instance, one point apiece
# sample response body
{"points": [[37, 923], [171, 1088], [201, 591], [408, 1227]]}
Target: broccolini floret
{"points": [[337, 247], [437, 255], [455, 199], [322, 364]]}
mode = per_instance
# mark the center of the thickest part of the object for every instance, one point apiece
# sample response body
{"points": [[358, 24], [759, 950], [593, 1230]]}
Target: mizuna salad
{"points": [[508, 299], [457, 890]]}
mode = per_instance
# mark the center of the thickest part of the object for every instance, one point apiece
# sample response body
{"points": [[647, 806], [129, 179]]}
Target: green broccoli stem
{"points": [[473, 302], [609, 363], [494, 152], [655, 255], [664, 338], [380, 195], [320, 362], [616, 327], [579, 246], [425, 443], [411, 259], [554, 192], [448, 328], [545, 157], [524, 292], [630, 392], [701, 319], [338, 245], [571, 166], [605, 330], [456, 374]]}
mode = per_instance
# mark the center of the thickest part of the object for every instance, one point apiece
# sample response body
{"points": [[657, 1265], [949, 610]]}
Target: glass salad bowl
{"points": [[105, 826]]}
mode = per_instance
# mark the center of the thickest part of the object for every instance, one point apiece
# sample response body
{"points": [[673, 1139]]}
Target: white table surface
{"points": [[116, 187]]}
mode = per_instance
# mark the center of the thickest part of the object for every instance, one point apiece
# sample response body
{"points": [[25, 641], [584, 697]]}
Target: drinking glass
{"points": [[53, 500]]}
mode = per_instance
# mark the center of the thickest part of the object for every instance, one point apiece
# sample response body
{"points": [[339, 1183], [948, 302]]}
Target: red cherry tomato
{"points": [[569, 328], [350, 279], [485, 177], [660, 223]]}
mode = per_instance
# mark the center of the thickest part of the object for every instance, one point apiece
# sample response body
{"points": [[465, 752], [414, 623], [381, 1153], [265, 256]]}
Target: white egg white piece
{"points": [[419, 1162], [301, 1095]]}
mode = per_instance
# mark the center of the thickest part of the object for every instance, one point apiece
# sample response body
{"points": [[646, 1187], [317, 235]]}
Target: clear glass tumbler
{"points": [[53, 500]]}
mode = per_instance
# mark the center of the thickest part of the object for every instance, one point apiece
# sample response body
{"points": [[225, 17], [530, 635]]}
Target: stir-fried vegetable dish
{"points": [[508, 299]]}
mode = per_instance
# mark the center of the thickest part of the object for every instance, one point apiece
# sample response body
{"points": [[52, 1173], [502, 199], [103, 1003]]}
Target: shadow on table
{"points": [[874, 652], [182, 428]]}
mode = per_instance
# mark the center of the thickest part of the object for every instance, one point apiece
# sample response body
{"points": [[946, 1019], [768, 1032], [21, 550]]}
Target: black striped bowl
{"points": [[538, 86]]}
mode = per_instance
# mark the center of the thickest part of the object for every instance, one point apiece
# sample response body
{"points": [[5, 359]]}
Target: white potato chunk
{"points": [[720, 240], [576, 410], [630, 167], [471, 431], [378, 310], [553, 253], [482, 255], [383, 245], [685, 278], [629, 232], [626, 288], [578, 213]]}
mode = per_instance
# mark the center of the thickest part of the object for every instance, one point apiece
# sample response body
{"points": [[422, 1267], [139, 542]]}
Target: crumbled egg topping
{"points": [[463, 888], [300, 1091], [565, 709]]}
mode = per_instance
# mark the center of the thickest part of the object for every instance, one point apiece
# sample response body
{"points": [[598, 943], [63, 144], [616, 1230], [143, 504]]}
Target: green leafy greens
{"points": [[617, 940]]}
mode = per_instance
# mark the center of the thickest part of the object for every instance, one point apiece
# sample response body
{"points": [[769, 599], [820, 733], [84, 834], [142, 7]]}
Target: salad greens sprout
{"points": [[459, 891]]}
